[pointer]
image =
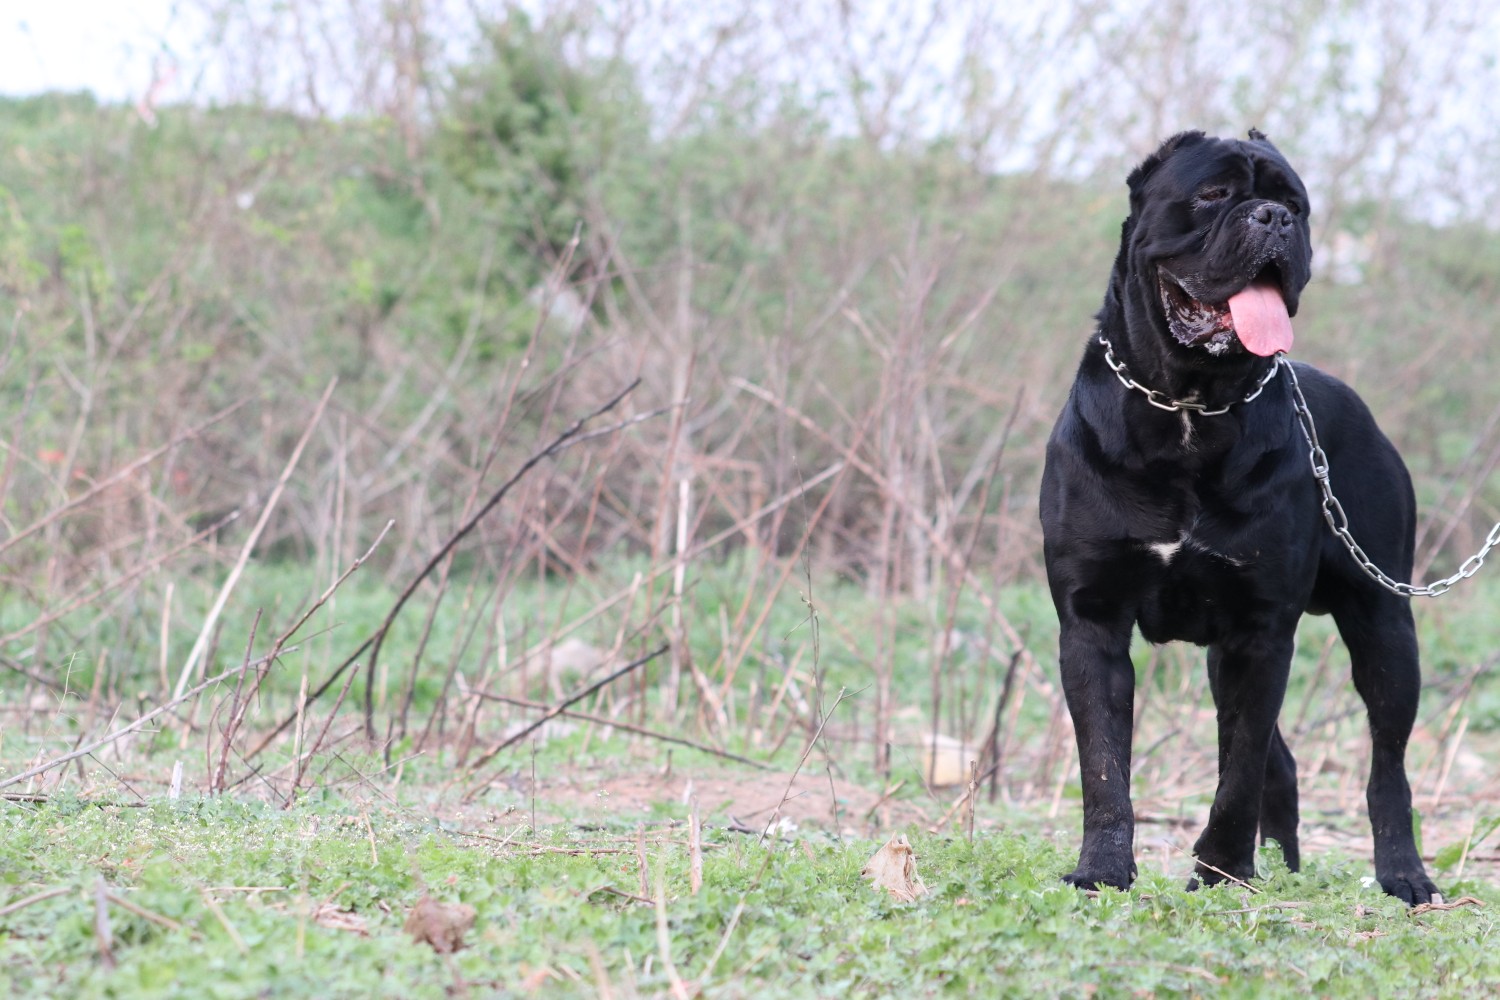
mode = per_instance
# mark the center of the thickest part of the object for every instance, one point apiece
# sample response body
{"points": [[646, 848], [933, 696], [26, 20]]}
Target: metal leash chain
{"points": [[1333, 511], [1338, 521]]}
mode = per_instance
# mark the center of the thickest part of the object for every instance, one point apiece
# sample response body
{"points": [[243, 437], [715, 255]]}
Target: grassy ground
{"points": [[573, 847], [234, 899]]}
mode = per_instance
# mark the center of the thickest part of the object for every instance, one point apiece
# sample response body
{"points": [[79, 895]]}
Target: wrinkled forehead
{"points": [[1254, 165]]}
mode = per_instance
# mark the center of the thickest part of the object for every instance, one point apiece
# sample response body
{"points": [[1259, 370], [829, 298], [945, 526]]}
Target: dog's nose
{"points": [[1272, 216]]}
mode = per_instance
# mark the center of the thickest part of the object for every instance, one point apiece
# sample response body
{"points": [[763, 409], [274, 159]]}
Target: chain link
{"points": [[1333, 511], [1338, 521], [1162, 401]]}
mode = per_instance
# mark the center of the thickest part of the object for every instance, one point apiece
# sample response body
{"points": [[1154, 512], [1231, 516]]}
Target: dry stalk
{"points": [[151, 915], [695, 847], [640, 859], [941, 545], [995, 743], [972, 796], [572, 435], [223, 919], [237, 707], [242, 701], [1448, 757], [322, 735], [1217, 871], [120, 475], [664, 937], [791, 781], [955, 591], [629, 592], [72, 602], [201, 643], [103, 936], [124, 731]]}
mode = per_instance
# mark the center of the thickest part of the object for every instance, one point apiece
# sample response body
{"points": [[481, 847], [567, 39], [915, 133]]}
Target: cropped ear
{"points": [[1256, 135], [1148, 166]]}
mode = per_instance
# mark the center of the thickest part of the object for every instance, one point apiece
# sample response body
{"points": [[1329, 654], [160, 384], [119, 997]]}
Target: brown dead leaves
{"points": [[442, 925], [894, 869]]}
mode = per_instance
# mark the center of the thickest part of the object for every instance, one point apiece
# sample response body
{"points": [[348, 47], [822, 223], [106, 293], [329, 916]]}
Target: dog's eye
{"points": [[1213, 194], [1293, 205]]}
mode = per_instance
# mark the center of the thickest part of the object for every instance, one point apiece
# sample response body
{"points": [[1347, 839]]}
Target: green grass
{"points": [[995, 921]]}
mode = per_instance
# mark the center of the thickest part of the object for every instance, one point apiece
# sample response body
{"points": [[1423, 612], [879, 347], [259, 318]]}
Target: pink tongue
{"points": [[1260, 319]]}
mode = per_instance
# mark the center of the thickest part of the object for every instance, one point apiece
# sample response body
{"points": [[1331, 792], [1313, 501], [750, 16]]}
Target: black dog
{"points": [[1179, 505]]}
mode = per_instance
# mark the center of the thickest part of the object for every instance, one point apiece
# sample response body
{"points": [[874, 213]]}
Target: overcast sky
{"points": [[106, 46], [1096, 81]]}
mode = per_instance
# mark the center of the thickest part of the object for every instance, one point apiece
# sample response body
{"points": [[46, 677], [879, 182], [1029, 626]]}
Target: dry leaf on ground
{"points": [[894, 868], [442, 925]]}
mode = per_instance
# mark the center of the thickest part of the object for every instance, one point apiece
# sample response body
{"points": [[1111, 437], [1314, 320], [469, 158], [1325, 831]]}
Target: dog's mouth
{"points": [[1255, 317]]}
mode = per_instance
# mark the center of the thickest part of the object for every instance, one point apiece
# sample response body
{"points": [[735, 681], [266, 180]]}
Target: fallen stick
{"points": [[21, 904], [145, 914]]}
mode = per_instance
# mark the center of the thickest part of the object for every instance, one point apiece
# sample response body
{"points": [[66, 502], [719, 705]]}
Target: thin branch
{"points": [[558, 444], [561, 707], [627, 727], [201, 644], [45, 894], [776, 813], [562, 441]]}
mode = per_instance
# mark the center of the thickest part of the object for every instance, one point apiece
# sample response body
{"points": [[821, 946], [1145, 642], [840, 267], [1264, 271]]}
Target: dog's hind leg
{"points": [[1278, 797], [1378, 630], [1278, 801]]}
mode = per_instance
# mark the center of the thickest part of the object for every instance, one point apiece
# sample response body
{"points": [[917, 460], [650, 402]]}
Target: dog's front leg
{"points": [[1248, 679], [1099, 681]]}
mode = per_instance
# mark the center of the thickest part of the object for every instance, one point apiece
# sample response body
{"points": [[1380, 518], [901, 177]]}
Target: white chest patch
{"points": [[1166, 549]]}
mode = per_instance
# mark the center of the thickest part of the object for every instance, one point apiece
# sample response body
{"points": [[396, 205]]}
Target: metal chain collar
{"points": [[1161, 401], [1333, 511], [1338, 521]]}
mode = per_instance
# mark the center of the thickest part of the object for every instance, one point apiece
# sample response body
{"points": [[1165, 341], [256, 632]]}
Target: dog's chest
{"points": [[1193, 592], [1200, 568]]}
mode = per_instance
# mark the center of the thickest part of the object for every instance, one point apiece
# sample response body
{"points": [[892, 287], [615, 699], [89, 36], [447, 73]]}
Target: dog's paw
{"points": [[1093, 878], [1411, 887]]}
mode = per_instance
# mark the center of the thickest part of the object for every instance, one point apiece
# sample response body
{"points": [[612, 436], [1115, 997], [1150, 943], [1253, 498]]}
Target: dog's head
{"points": [[1216, 249]]}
